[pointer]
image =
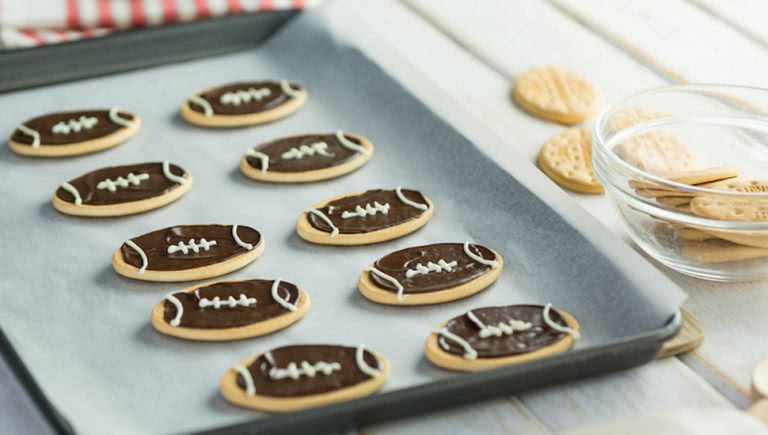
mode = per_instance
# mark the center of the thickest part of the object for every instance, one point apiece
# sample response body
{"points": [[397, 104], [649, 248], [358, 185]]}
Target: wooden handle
{"points": [[759, 410]]}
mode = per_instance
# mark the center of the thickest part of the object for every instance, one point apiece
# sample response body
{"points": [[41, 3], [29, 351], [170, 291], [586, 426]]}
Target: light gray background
{"points": [[85, 333]]}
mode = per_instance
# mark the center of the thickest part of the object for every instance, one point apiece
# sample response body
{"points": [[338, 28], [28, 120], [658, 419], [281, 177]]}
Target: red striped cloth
{"points": [[29, 23]]}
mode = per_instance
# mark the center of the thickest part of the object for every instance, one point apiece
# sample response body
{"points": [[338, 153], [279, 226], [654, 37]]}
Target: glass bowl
{"points": [[654, 152]]}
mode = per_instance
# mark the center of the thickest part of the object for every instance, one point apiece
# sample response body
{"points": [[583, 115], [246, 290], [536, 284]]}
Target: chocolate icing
{"points": [[43, 125], [231, 317], [155, 246], [349, 375], [156, 185], [276, 148], [399, 212], [397, 263], [520, 342], [275, 98]]}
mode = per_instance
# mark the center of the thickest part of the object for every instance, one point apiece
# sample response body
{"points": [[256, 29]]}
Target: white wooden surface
{"points": [[472, 51]]}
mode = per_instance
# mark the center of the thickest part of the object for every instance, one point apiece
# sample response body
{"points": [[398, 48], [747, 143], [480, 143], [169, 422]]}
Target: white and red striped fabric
{"points": [[29, 23]]}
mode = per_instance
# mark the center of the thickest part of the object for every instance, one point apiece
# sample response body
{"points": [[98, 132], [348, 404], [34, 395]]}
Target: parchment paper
{"points": [[85, 333]]}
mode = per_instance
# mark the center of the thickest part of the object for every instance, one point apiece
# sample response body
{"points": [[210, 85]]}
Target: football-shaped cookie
{"points": [[230, 310], [188, 252], [369, 217], [305, 158], [122, 190], [430, 274], [490, 337], [244, 103], [72, 133], [302, 376]]}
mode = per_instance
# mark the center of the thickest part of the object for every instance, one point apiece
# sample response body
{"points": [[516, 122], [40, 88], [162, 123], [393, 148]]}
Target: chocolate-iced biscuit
{"points": [[305, 158], [485, 338], [362, 218], [230, 310], [302, 376], [430, 274], [72, 133], [188, 252], [243, 103], [122, 190]]}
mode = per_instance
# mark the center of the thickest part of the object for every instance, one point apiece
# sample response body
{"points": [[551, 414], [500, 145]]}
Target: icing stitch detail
{"points": [[326, 219], [115, 117], [128, 180], [362, 365], [469, 352], [294, 371], [71, 189], [493, 263], [203, 103], [499, 329], [239, 241], [239, 97], [440, 266], [396, 283], [176, 321], [288, 90], [545, 315], [399, 193], [319, 148], [170, 175], [231, 302], [250, 388], [346, 143], [283, 302], [144, 261], [203, 244], [75, 125], [369, 210], [31, 133], [261, 156]]}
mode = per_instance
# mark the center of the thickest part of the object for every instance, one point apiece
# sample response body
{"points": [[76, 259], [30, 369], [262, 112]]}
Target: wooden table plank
{"points": [[745, 16]]}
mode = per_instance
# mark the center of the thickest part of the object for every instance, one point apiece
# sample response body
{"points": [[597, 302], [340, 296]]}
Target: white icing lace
{"points": [[288, 90], [304, 368], [493, 263], [239, 241], [348, 144], [499, 329], [170, 175], [75, 125], [369, 210], [440, 266], [114, 116], [395, 282], [179, 309], [283, 301], [250, 388], [231, 302], [202, 103], [319, 148], [399, 193], [261, 156], [469, 351], [239, 97], [73, 190], [137, 248], [326, 219], [362, 365], [31, 133], [128, 180], [557, 327], [185, 248]]}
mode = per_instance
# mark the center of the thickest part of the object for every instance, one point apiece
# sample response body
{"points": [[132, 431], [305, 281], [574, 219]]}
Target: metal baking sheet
{"points": [[84, 333]]}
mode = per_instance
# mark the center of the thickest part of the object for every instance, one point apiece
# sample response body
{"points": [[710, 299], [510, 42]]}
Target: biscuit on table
{"points": [[430, 274], [243, 104], [556, 94], [296, 377], [64, 134], [362, 218], [306, 158], [490, 337], [567, 160]]}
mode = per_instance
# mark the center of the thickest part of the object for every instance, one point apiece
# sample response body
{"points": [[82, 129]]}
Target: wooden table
{"points": [[472, 51]]}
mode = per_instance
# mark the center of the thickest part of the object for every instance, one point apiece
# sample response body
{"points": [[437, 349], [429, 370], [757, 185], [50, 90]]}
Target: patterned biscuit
{"points": [[733, 209], [721, 251], [674, 201], [630, 117], [567, 160], [658, 152], [556, 94], [699, 177]]}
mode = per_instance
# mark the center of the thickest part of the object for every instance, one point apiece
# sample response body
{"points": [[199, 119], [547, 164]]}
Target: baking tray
{"points": [[83, 332]]}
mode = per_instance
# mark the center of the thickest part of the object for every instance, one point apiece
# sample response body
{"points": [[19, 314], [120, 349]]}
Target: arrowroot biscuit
{"points": [[122, 190], [230, 310], [490, 337], [721, 251], [430, 274], [244, 103], [306, 158], [64, 134], [296, 377], [733, 209], [658, 152], [556, 94], [362, 218], [567, 160], [188, 252]]}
